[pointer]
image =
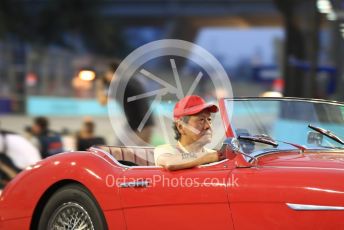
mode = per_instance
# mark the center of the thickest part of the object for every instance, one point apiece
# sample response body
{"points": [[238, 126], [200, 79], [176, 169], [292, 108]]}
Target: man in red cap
{"points": [[192, 126]]}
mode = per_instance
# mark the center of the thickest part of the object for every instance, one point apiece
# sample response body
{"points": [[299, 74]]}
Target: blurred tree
{"points": [[12, 28], [79, 25], [12, 16], [76, 24]]}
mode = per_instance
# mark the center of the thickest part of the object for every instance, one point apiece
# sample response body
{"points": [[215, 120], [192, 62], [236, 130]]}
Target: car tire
{"points": [[70, 207]]}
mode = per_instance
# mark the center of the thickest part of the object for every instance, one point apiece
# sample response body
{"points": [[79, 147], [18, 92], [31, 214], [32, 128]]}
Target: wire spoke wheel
{"points": [[70, 216], [72, 207]]}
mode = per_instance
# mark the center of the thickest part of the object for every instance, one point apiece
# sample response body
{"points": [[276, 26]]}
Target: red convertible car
{"points": [[284, 170]]}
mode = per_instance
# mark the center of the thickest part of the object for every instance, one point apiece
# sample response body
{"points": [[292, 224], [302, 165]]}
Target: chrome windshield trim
{"points": [[308, 207], [261, 153], [285, 99]]}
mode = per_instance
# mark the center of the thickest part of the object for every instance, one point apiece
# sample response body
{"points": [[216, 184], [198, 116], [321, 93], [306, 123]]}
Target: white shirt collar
{"points": [[181, 147]]}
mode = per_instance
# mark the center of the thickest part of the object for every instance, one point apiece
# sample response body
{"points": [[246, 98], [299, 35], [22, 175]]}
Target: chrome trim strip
{"points": [[302, 167], [103, 151], [212, 163], [308, 207], [109, 155], [136, 184]]}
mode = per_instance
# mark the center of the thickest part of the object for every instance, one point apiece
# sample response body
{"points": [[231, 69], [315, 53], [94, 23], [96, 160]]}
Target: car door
{"points": [[285, 197], [154, 198]]}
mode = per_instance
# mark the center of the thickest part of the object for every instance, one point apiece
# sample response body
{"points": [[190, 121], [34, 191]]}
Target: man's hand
{"points": [[221, 154]]}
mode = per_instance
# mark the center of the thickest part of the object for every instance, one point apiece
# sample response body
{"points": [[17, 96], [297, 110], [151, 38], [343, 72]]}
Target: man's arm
{"points": [[10, 172], [185, 160]]}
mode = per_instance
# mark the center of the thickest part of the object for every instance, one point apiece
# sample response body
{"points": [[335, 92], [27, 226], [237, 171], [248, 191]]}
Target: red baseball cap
{"points": [[191, 105]]}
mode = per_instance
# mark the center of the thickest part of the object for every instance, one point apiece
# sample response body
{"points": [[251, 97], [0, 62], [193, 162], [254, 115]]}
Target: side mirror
{"points": [[230, 148]]}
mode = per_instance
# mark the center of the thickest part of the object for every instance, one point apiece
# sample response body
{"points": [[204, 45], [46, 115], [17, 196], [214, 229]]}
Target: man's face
{"points": [[36, 130], [109, 75], [198, 129]]}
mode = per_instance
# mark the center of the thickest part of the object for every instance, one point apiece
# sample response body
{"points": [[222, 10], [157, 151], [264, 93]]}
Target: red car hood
{"points": [[316, 159]]}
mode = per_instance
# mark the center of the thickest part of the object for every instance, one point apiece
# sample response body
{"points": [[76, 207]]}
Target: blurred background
{"points": [[293, 48]]}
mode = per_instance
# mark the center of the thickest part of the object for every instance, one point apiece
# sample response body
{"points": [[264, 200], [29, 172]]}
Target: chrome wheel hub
{"points": [[70, 216]]}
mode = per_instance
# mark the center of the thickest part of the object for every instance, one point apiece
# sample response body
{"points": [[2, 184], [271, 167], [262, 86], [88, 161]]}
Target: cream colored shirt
{"points": [[176, 149]]}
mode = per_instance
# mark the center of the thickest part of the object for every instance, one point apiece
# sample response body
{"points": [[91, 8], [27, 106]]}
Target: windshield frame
{"points": [[230, 129]]}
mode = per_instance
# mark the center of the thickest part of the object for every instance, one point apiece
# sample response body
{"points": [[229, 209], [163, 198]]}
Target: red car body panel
{"points": [[22, 223], [202, 196], [282, 178], [19, 200]]}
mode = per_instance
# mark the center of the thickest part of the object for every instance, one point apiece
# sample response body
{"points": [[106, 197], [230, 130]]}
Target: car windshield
{"points": [[286, 120]]}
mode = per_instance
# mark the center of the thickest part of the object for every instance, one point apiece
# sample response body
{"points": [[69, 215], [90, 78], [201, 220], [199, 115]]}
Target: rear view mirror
{"points": [[314, 138]]}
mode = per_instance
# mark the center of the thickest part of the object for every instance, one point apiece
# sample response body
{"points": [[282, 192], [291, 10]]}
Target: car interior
{"points": [[135, 155], [131, 156]]}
